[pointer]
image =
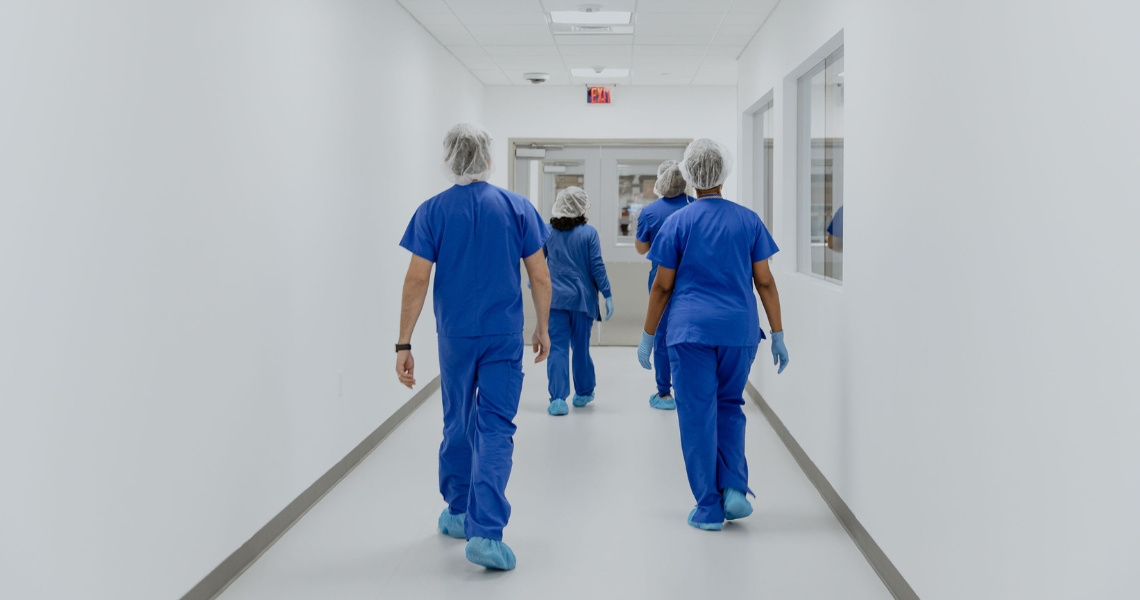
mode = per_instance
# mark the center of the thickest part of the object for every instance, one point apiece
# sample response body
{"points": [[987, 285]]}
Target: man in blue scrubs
{"points": [[671, 187], [835, 231], [475, 234], [711, 255]]}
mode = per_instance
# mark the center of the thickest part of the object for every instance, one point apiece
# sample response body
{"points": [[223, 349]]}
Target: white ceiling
{"points": [[674, 42]]}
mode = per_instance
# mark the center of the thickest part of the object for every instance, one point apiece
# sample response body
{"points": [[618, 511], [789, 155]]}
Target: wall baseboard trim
{"points": [[211, 586], [878, 560]]}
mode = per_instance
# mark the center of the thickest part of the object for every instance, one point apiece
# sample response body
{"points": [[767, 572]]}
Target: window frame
{"points": [[804, 165]]}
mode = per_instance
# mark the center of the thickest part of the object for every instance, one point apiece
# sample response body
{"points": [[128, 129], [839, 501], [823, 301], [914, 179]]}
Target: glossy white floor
{"points": [[600, 500]]}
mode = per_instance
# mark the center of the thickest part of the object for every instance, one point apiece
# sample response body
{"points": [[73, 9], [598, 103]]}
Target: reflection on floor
{"points": [[600, 500]]}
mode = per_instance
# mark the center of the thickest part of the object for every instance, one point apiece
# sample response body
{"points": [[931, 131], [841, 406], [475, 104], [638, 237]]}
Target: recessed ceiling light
{"points": [[574, 17], [594, 73]]}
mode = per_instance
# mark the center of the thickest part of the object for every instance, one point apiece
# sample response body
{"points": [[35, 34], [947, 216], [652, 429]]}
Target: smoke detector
{"points": [[536, 78]]}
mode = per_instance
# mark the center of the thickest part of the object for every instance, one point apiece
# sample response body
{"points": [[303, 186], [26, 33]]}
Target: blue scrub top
{"points": [[836, 226], [712, 245], [476, 235], [652, 217], [576, 270]]}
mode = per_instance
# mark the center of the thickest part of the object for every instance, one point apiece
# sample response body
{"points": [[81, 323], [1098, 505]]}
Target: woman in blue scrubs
{"points": [[577, 273], [671, 187], [711, 256]]}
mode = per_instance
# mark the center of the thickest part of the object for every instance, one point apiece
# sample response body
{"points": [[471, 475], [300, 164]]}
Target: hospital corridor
{"points": [[517, 299]]}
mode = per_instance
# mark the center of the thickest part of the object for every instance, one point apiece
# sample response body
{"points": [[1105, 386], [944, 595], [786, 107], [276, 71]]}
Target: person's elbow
{"points": [[662, 287]]}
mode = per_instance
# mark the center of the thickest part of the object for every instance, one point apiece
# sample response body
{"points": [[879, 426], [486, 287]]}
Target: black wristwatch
{"points": [[402, 347]]}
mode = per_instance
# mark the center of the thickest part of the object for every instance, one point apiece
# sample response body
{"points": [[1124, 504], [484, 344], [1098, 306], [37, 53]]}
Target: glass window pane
{"points": [[635, 192], [763, 151], [822, 133]]}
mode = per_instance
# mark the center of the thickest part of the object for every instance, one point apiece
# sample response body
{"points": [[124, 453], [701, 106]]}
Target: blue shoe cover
{"points": [[736, 505], [656, 401], [581, 401], [557, 407], [452, 525], [702, 526], [492, 554]]}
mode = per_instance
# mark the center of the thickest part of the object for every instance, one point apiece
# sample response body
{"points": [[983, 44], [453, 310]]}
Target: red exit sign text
{"points": [[598, 95]]}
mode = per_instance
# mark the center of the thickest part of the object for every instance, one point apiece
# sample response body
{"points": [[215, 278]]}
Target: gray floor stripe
{"points": [[232, 567], [882, 565]]}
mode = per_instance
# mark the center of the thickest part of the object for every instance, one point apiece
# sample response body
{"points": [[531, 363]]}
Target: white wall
{"points": [[636, 113], [201, 205], [971, 389]]}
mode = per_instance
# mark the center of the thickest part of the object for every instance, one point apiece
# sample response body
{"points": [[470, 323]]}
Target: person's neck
{"points": [[711, 192]]}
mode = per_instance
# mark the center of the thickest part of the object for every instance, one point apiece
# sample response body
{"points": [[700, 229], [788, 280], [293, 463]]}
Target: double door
{"points": [[619, 181]]}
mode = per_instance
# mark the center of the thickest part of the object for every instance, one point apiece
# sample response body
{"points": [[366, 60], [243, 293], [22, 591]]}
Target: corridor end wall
{"points": [[971, 389], [201, 206]]}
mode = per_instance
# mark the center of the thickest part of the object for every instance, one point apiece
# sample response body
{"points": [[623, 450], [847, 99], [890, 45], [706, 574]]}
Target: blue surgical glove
{"points": [[609, 307], [779, 351], [644, 349]]}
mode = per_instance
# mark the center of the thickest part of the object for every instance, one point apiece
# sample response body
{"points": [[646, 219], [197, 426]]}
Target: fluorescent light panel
{"points": [[589, 73], [574, 17]]}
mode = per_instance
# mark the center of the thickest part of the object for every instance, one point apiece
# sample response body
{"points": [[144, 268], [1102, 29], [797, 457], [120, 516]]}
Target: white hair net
{"points": [[467, 154], [707, 164], [670, 182], [571, 202]]}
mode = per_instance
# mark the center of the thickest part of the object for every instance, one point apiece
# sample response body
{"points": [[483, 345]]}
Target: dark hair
{"points": [[567, 223]]}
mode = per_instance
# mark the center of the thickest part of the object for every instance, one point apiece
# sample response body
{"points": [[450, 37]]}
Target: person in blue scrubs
{"points": [[577, 274], [711, 256], [475, 234], [671, 187]]}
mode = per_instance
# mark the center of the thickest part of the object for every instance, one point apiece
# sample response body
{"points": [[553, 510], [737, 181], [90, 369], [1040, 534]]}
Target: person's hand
{"points": [[541, 343], [406, 368], [779, 351], [609, 307], [645, 349]]}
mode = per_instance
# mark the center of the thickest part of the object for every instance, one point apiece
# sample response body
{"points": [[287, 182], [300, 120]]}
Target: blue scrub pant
{"points": [[570, 331], [710, 384], [481, 380], [661, 351]]}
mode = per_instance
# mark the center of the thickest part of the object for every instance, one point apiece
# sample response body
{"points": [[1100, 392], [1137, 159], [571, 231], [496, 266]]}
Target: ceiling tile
{"points": [[730, 29], [753, 6], [644, 18], [590, 62], [499, 18], [672, 40], [674, 30], [421, 7], [642, 77], [594, 40], [664, 64], [546, 50], [642, 50], [683, 6], [451, 35], [508, 30], [597, 51], [495, 6], [495, 77], [462, 51], [528, 64], [522, 39], [622, 5], [435, 19], [732, 40], [733, 51]]}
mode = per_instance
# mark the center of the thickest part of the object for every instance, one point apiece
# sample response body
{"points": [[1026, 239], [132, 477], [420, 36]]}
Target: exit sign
{"points": [[598, 95]]}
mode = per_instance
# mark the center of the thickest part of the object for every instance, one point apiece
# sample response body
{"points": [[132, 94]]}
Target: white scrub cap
{"points": [[707, 164], [670, 182], [467, 154], [571, 202]]}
